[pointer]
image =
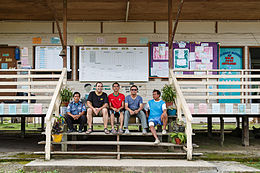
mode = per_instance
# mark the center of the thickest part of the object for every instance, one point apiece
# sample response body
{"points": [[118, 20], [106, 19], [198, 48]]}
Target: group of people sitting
{"points": [[116, 104]]}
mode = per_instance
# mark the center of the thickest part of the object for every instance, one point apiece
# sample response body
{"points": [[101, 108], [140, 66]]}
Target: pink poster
{"points": [[38, 108], [191, 107], [203, 108]]}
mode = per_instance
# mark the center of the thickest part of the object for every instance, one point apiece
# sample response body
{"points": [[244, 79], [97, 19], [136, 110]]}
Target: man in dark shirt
{"points": [[76, 113], [98, 103]]}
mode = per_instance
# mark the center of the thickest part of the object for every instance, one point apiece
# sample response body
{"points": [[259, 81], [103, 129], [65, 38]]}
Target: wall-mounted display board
{"points": [[47, 57], [230, 58], [113, 63], [186, 55]]}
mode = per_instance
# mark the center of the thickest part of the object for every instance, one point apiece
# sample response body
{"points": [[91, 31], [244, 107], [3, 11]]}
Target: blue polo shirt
{"points": [[76, 108]]}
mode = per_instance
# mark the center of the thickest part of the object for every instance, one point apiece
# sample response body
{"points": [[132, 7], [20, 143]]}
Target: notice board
{"points": [[113, 63], [47, 57], [230, 58], [186, 55]]}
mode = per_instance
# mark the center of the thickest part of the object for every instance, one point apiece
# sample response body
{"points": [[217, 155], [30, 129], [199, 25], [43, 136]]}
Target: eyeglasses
{"points": [[133, 89]]}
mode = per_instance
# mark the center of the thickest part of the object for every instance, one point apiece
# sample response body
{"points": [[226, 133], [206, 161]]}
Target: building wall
{"points": [[226, 33]]}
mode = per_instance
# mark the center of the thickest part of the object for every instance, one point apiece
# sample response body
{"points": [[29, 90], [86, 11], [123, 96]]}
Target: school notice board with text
{"points": [[47, 57], [113, 63], [186, 55]]}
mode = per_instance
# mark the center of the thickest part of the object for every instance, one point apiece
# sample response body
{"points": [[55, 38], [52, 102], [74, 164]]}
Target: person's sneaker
{"points": [[144, 132], [164, 132], [80, 131], [120, 131], [113, 131], [157, 141], [127, 131]]}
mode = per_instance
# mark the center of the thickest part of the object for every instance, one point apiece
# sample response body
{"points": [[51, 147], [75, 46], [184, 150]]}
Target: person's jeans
{"points": [[140, 115]]}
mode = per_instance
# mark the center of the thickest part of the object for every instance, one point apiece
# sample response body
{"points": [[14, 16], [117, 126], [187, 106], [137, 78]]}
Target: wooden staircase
{"points": [[121, 143]]}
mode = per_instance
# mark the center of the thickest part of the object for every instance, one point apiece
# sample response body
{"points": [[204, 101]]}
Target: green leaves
{"points": [[180, 135], [66, 94], [168, 93]]}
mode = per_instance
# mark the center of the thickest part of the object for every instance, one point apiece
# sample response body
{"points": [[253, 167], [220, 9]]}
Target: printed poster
{"points": [[254, 108], [229, 108], [181, 58], [241, 108], [230, 58], [215, 108]]}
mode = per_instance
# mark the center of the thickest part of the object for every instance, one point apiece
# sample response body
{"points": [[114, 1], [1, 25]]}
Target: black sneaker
{"points": [[80, 131]]}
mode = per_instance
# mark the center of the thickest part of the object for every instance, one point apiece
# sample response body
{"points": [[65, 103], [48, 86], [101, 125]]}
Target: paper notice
{"points": [[203, 108], [215, 108]]}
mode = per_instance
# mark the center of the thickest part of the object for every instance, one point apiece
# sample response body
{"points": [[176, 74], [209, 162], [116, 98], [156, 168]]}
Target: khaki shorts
{"points": [[100, 114]]}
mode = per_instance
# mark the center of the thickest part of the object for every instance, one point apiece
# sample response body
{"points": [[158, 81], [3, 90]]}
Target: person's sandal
{"points": [[89, 131], [106, 131]]}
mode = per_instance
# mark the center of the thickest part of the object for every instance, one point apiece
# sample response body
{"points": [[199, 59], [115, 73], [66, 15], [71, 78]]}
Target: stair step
{"points": [[115, 143], [110, 134], [121, 153]]}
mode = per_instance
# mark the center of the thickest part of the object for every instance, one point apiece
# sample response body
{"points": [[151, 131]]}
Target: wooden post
{"points": [[189, 140], [221, 131], [22, 126], [48, 140], [65, 32], [118, 146], [209, 126], [245, 131], [170, 34]]}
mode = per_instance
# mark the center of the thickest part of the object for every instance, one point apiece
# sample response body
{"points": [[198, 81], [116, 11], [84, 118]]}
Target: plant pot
{"points": [[169, 104], [177, 140], [171, 112], [64, 104], [57, 137]]}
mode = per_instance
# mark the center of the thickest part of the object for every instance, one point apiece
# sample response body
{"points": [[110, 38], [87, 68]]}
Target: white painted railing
{"points": [[207, 85], [182, 107], [53, 109], [41, 85]]}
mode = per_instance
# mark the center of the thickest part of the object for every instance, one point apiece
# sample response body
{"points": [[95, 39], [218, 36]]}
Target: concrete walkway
{"points": [[136, 165]]}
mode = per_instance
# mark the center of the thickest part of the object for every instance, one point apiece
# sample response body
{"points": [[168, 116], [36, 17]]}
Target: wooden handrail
{"points": [[53, 108], [182, 106], [55, 95]]}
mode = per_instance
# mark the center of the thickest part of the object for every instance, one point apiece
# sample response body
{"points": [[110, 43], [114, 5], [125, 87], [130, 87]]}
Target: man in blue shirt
{"points": [[76, 113], [134, 107], [157, 115]]}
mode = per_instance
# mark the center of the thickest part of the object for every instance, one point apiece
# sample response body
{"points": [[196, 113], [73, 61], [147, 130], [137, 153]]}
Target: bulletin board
{"points": [[47, 57], [186, 55], [113, 63]]}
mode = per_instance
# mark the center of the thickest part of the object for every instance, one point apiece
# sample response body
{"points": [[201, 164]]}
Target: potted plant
{"points": [[178, 137], [57, 128], [169, 95], [66, 95]]}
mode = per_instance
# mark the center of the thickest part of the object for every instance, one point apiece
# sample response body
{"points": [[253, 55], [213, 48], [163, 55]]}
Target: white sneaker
{"points": [[144, 132], [157, 141], [127, 131], [164, 132]]}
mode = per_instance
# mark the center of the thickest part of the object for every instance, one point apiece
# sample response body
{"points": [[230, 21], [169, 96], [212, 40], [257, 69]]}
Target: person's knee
{"points": [[151, 124]]}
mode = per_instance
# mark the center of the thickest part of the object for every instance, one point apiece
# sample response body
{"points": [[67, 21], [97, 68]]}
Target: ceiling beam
{"points": [[127, 10]]}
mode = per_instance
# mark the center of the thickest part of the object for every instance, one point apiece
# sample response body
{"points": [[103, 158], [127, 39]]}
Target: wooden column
{"points": [[170, 34], [65, 32], [245, 131], [221, 131], [209, 126]]}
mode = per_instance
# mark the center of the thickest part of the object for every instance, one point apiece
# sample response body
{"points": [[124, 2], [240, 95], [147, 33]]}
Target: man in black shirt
{"points": [[98, 103]]}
